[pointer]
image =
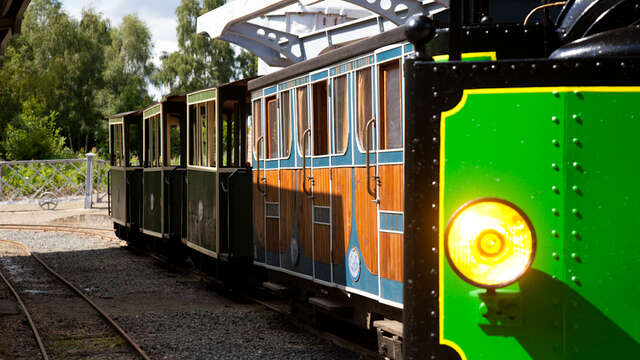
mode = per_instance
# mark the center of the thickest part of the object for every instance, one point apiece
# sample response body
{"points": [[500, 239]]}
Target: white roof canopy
{"points": [[264, 27]]}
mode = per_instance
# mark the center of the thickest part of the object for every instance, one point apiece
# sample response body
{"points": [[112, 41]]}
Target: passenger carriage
{"points": [[218, 192], [164, 163], [125, 149]]}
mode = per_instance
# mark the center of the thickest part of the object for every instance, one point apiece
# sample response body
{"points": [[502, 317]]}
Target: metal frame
{"points": [[275, 47]]}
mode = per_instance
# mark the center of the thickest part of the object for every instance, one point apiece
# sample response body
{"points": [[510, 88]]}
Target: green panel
{"points": [[118, 195], [134, 197], [202, 96], [119, 120], [152, 111], [603, 315], [235, 238], [519, 145], [201, 205], [500, 145], [152, 202], [173, 194]]}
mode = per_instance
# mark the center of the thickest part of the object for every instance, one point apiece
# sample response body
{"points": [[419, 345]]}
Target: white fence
{"points": [[50, 181]]}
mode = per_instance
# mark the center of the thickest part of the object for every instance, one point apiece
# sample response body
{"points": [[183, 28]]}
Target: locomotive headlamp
{"points": [[490, 243]]}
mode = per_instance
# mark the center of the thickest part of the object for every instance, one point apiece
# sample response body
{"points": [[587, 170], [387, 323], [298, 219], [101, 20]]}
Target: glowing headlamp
{"points": [[490, 243]]}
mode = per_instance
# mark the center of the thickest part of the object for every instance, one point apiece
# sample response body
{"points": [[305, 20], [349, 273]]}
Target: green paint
{"points": [[119, 120], [156, 109], [202, 96], [502, 145]]}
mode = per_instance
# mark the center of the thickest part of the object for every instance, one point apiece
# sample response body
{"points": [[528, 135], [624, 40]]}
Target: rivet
{"points": [[555, 93], [484, 310], [433, 313], [454, 67], [554, 233], [555, 211], [434, 250], [555, 66], [435, 94], [434, 228], [575, 212], [434, 293], [577, 118], [513, 67], [575, 234], [577, 165], [622, 64], [555, 120], [576, 91], [433, 206], [576, 189], [433, 271], [555, 166], [576, 141], [434, 183], [555, 255], [574, 279], [555, 143], [435, 69], [555, 189], [575, 257]]}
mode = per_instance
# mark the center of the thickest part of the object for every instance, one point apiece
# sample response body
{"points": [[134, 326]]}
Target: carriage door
{"points": [[320, 181], [272, 183], [390, 175]]}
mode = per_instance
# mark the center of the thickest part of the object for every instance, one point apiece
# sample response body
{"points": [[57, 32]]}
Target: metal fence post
{"points": [[88, 186]]}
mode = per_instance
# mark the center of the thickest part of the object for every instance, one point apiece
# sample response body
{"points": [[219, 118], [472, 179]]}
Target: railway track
{"points": [[106, 233], [37, 302]]}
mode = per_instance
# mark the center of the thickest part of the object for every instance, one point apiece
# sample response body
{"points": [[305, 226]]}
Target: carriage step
{"points": [[330, 305], [276, 288], [389, 339], [390, 326]]}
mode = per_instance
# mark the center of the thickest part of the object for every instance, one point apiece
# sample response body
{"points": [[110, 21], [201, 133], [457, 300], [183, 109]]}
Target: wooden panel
{"points": [[287, 197], [273, 234], [322, 243], [258, 210], [391, 188], [366, 221], [303, 212], [272, 185], [341, 212], [391, 256], [321, 189]]}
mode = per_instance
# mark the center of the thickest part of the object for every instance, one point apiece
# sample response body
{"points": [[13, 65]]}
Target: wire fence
{"points": [[47, 181]]}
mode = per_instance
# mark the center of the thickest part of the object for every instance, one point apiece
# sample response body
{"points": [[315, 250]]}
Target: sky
{"points": [[159, 15]]}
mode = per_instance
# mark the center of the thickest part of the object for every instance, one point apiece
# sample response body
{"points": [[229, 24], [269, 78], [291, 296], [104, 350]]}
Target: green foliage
{"points": [[200, 62], [82, 70], [34, 135]]}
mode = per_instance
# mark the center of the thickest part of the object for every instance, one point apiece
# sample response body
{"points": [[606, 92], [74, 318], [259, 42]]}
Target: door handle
{"points": [[374, 192], [305, 144], [258, 178]]}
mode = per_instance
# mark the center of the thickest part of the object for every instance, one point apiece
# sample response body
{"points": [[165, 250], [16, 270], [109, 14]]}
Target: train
{"points": [[463, 184]]}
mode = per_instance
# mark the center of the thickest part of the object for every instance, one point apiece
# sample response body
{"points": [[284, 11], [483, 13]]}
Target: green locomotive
{"points": [[524, 241]]}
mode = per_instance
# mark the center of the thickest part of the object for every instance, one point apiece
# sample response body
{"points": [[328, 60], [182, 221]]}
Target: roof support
{"points": [[231, 22], [280, 41], [267, 54]]}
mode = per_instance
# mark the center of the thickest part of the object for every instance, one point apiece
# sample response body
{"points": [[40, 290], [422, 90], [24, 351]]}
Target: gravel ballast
{"points": [[172, 315]]}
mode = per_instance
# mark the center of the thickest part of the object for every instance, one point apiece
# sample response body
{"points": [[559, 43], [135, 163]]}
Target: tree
{"points": [[200, 62], [80, 69], [34, 135]]}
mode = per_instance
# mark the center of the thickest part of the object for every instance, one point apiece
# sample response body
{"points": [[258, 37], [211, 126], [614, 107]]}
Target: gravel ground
{"points": [[172, 315]]}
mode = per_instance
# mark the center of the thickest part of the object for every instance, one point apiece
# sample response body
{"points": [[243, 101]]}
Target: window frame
{"points": [[380, 66], [298, 127], [195, 147], [312, 116], [267, 133], [372, 95], [285, 154], [347, 120]]}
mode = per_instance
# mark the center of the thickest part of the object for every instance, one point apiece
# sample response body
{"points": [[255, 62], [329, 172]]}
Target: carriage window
{"points": [[152, 143], [320, 119], [173, 141], [117, 154], [340, 114], [272, 128], [257, 128], [202, 129], [303, 117], [231, 146], [133, 143], [390, 106], [364, 106], [285, 114]]}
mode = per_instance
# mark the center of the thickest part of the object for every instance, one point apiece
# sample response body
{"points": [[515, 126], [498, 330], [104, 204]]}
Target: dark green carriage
{"points": [[218, 182], [164, 168], [125, 144]]}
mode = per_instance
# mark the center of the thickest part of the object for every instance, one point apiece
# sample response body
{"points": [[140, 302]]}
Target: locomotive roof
{"points": [[331, 57]]}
